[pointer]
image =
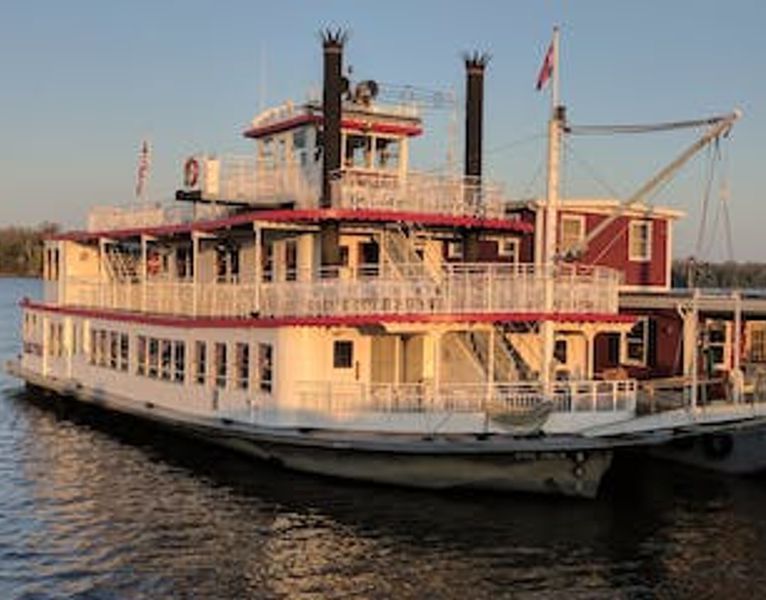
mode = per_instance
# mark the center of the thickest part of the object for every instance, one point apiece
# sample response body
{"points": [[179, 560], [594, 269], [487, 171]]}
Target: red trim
{"points": [[355, 124], [344, 321], [309, 214]]}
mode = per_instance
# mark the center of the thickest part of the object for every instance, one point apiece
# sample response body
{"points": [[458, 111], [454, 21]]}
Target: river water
{"points": [[95, 506]]}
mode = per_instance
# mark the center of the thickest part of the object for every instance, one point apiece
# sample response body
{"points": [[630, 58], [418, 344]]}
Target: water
{"points": [[95, 506]]}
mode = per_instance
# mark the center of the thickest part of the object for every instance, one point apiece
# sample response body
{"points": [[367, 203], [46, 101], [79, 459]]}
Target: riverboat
{"points": [[321, 305]]}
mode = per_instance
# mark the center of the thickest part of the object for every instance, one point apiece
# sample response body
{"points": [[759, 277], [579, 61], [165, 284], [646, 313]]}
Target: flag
{"points": [[546, 70], [143, 168]]}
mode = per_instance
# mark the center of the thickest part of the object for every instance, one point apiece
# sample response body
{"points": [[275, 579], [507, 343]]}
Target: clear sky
{"points": [[83, 82]]}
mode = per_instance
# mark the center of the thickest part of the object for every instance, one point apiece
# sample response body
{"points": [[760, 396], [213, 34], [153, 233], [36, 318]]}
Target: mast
{"points": [[555, 127]]}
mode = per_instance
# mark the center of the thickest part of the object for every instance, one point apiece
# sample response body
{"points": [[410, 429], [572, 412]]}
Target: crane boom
{"points": [[719, 126]]}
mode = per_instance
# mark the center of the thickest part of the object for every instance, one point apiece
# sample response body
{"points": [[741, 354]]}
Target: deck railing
{"points": [[370, 289], [243, 179], [495, 398]]}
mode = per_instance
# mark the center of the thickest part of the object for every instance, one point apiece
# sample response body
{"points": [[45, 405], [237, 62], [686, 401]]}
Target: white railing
{"points": [[422, 193], [370, 289], [465, 288], [112, 218], [242, 179], [497, 398]]}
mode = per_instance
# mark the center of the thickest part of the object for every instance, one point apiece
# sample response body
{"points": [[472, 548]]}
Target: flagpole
{"points": [[548, 327], [555, 83]]}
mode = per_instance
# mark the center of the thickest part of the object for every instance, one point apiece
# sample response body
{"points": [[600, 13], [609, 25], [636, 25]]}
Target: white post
{"points": [[195, 272], [695, 337], [737, 377], [258, 267], [554, 140], [101, 272]]}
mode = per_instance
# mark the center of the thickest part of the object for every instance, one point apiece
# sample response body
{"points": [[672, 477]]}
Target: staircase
{"points": [[509, 364], [121, 267], [399, 251]]}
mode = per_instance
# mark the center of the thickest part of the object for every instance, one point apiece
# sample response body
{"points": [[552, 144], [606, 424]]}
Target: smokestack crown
{"points": [[475, 62], [334, 39]]}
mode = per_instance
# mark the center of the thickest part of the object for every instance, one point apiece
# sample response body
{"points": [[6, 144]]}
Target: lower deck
{"points": [[422, 378]]}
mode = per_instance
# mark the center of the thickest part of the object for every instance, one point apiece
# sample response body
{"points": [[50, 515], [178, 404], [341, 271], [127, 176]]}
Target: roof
{"points": [[304, 215], [607, 206]]}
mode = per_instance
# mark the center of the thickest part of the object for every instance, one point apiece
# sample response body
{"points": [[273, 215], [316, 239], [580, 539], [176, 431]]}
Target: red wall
{"points": [[610, 249]]}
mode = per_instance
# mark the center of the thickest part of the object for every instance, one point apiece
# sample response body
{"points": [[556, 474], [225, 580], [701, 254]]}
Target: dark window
{"points": [[560, 351], [265, 367], [154, 356], [220, 364], [180, 361], [243, 365], [200, 361], [343, 354], [124, 353], [141, 356]]}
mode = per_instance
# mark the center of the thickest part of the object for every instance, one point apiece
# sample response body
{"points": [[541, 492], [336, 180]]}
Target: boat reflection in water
{"points": [[98, 503]]}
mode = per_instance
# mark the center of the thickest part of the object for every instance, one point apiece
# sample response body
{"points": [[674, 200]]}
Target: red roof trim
{"points": [[308, 214], [355, 124], [341, 321]]}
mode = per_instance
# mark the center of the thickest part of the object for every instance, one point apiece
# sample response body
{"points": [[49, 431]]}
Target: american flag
{"points": [[143, 168]]}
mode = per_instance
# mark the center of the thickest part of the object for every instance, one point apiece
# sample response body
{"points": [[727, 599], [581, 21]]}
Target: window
{"points": [[291, 260], [758, 343], [114, 349], [154, 357], [103, 348], [716, 346], [200, 362], [636, 344], [166, 355], [560, 351], [640, 241], [141, 356], [124, 352], [265, 367], [242, 357], [509, 248], [572, 232], [386, 154], [219, 358], [455, 250], [179, 359], [342, 354]]}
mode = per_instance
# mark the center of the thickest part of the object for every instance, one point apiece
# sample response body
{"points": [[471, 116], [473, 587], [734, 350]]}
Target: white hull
{"points": [[553, 465]]}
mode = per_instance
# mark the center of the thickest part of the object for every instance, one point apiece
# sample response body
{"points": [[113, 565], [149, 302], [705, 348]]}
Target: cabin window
{"points": [[640, 241], [165, 358], [636, 344], [114, 349], [358, 151], [141, 356], [716, 346], [291, 260], [242, 358], [560, 351], [300, 146], [758, 343], [342, 354], [509, 248], [154, 357], [103, 348], [200, 362], [267, 262], [179, 359], [387, 154], [124, 351], [219, 358], [572, 232], [265, 368], [455, 250]]}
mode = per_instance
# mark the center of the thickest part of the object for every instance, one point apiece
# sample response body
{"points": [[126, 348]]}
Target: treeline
{"points": [[746, 275], [21, 249]]}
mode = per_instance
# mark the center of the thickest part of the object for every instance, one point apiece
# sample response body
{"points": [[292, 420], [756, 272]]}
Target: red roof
{"points": [[306, 215], [326, 321], [356, 124]]}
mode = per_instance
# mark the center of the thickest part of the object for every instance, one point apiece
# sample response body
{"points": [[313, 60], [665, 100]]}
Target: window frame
{"points": [[625, 341], [633, 226], [347, 356], [571, 218]]}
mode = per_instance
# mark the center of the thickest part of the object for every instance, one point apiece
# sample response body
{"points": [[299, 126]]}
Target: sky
{"points": [[84, 82]]}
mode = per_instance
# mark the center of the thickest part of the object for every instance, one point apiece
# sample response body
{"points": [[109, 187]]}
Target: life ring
{"points": [[191, 172], [717, 446]]}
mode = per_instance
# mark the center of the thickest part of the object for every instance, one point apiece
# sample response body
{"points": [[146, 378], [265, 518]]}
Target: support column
{"points": [[144, 241], [258, 266], [195, 272]]}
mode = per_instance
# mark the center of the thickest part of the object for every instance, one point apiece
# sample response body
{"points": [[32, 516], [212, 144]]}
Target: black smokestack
{"points": [[332, 42], [475, 64], [474, 101]]}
